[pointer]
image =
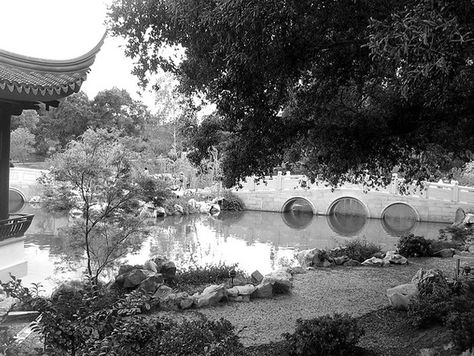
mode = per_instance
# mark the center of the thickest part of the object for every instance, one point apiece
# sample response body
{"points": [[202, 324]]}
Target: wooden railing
{"points": [[15, 226]]}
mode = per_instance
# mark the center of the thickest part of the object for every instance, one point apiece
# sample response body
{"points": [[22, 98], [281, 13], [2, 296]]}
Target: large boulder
{"points": [[313, 258], [151, 266], [162, 292], [133, 278], [395, 258], [151, 284], [246, 289], [211, 295], [280, 281], [401, 296], [373, 261], [263, 291]]}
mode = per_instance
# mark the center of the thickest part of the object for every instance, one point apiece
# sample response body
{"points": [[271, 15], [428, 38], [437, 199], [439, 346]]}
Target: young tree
{"points": [[22, 141], [98, 167], [341, 89]]}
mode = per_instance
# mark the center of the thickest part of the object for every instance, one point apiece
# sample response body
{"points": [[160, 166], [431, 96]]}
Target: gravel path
{"points": [[353, 290]]}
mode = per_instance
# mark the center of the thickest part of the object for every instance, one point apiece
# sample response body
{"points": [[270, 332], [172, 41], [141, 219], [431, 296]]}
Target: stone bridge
{"points": [[437, 202], [23, 186]]}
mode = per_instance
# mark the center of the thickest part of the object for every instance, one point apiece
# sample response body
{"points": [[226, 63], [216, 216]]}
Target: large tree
{"points": [[340, 89]]}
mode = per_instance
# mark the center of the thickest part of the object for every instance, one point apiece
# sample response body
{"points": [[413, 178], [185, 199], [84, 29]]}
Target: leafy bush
{"points": [[414, 246], [231, 202], [358, 250], [430, 308], [438, 299], [325, 335], [154, 190], [210, 274], [461, 326]]}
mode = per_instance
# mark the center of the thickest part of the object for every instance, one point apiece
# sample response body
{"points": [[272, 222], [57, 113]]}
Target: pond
{"points": [[255, 240]]}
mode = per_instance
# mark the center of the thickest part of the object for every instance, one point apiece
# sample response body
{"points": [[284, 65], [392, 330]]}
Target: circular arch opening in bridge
{"points": [[297, 213], [16, 201], [399, 219], [347, 216]]}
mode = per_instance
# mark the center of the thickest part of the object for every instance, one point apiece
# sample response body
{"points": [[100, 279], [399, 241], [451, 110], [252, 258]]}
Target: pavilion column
{"points": [[5, 118]]}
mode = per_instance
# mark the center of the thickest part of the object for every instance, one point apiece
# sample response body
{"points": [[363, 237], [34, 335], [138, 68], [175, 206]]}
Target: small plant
{"points": [[414, 246], [358, 250], [325, 335]]}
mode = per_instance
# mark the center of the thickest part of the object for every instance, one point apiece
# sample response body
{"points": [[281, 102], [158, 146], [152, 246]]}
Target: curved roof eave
{"points": [[52, 65], [31, 80]]}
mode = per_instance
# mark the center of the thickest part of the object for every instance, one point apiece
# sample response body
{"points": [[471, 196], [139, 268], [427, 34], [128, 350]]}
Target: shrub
{"points": [[231, 202], [430, 308], [210, 274], [201, 337], [325, 335], [161, 336], [154, 190], [414, 246], [461, 326], [359, 250]]}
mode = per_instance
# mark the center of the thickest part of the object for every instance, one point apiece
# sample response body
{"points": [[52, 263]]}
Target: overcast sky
{"points": [[65, 29]]}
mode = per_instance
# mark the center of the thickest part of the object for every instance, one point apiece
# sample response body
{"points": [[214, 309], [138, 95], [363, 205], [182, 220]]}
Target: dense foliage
{"points": [[414, 246], [340, 89], [205, 275], [325, 335], [359, 250]]}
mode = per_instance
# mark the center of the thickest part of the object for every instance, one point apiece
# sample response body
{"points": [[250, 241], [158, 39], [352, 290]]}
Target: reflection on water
{"points": [[254, 240]]}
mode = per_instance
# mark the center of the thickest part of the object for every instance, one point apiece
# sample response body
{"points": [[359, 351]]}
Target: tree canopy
{"points": [[340, 89]]}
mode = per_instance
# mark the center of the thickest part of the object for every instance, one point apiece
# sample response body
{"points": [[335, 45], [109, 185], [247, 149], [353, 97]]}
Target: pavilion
{"points": [[27, 83]]}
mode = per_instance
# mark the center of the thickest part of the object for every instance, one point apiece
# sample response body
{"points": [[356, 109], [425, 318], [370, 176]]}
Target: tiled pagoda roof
{"points": [[31, 80]]}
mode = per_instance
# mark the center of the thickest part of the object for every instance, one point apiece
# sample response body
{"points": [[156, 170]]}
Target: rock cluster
{"points": [[390, 257], [321, 258], [151, 278]]}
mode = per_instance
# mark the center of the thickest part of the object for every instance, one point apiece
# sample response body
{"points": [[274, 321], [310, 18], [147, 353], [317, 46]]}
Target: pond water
{"points": [[255, 240]]}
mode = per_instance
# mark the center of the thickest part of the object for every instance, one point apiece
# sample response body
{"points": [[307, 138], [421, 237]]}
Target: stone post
{"points": [[455, 191], [394, 184]]}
